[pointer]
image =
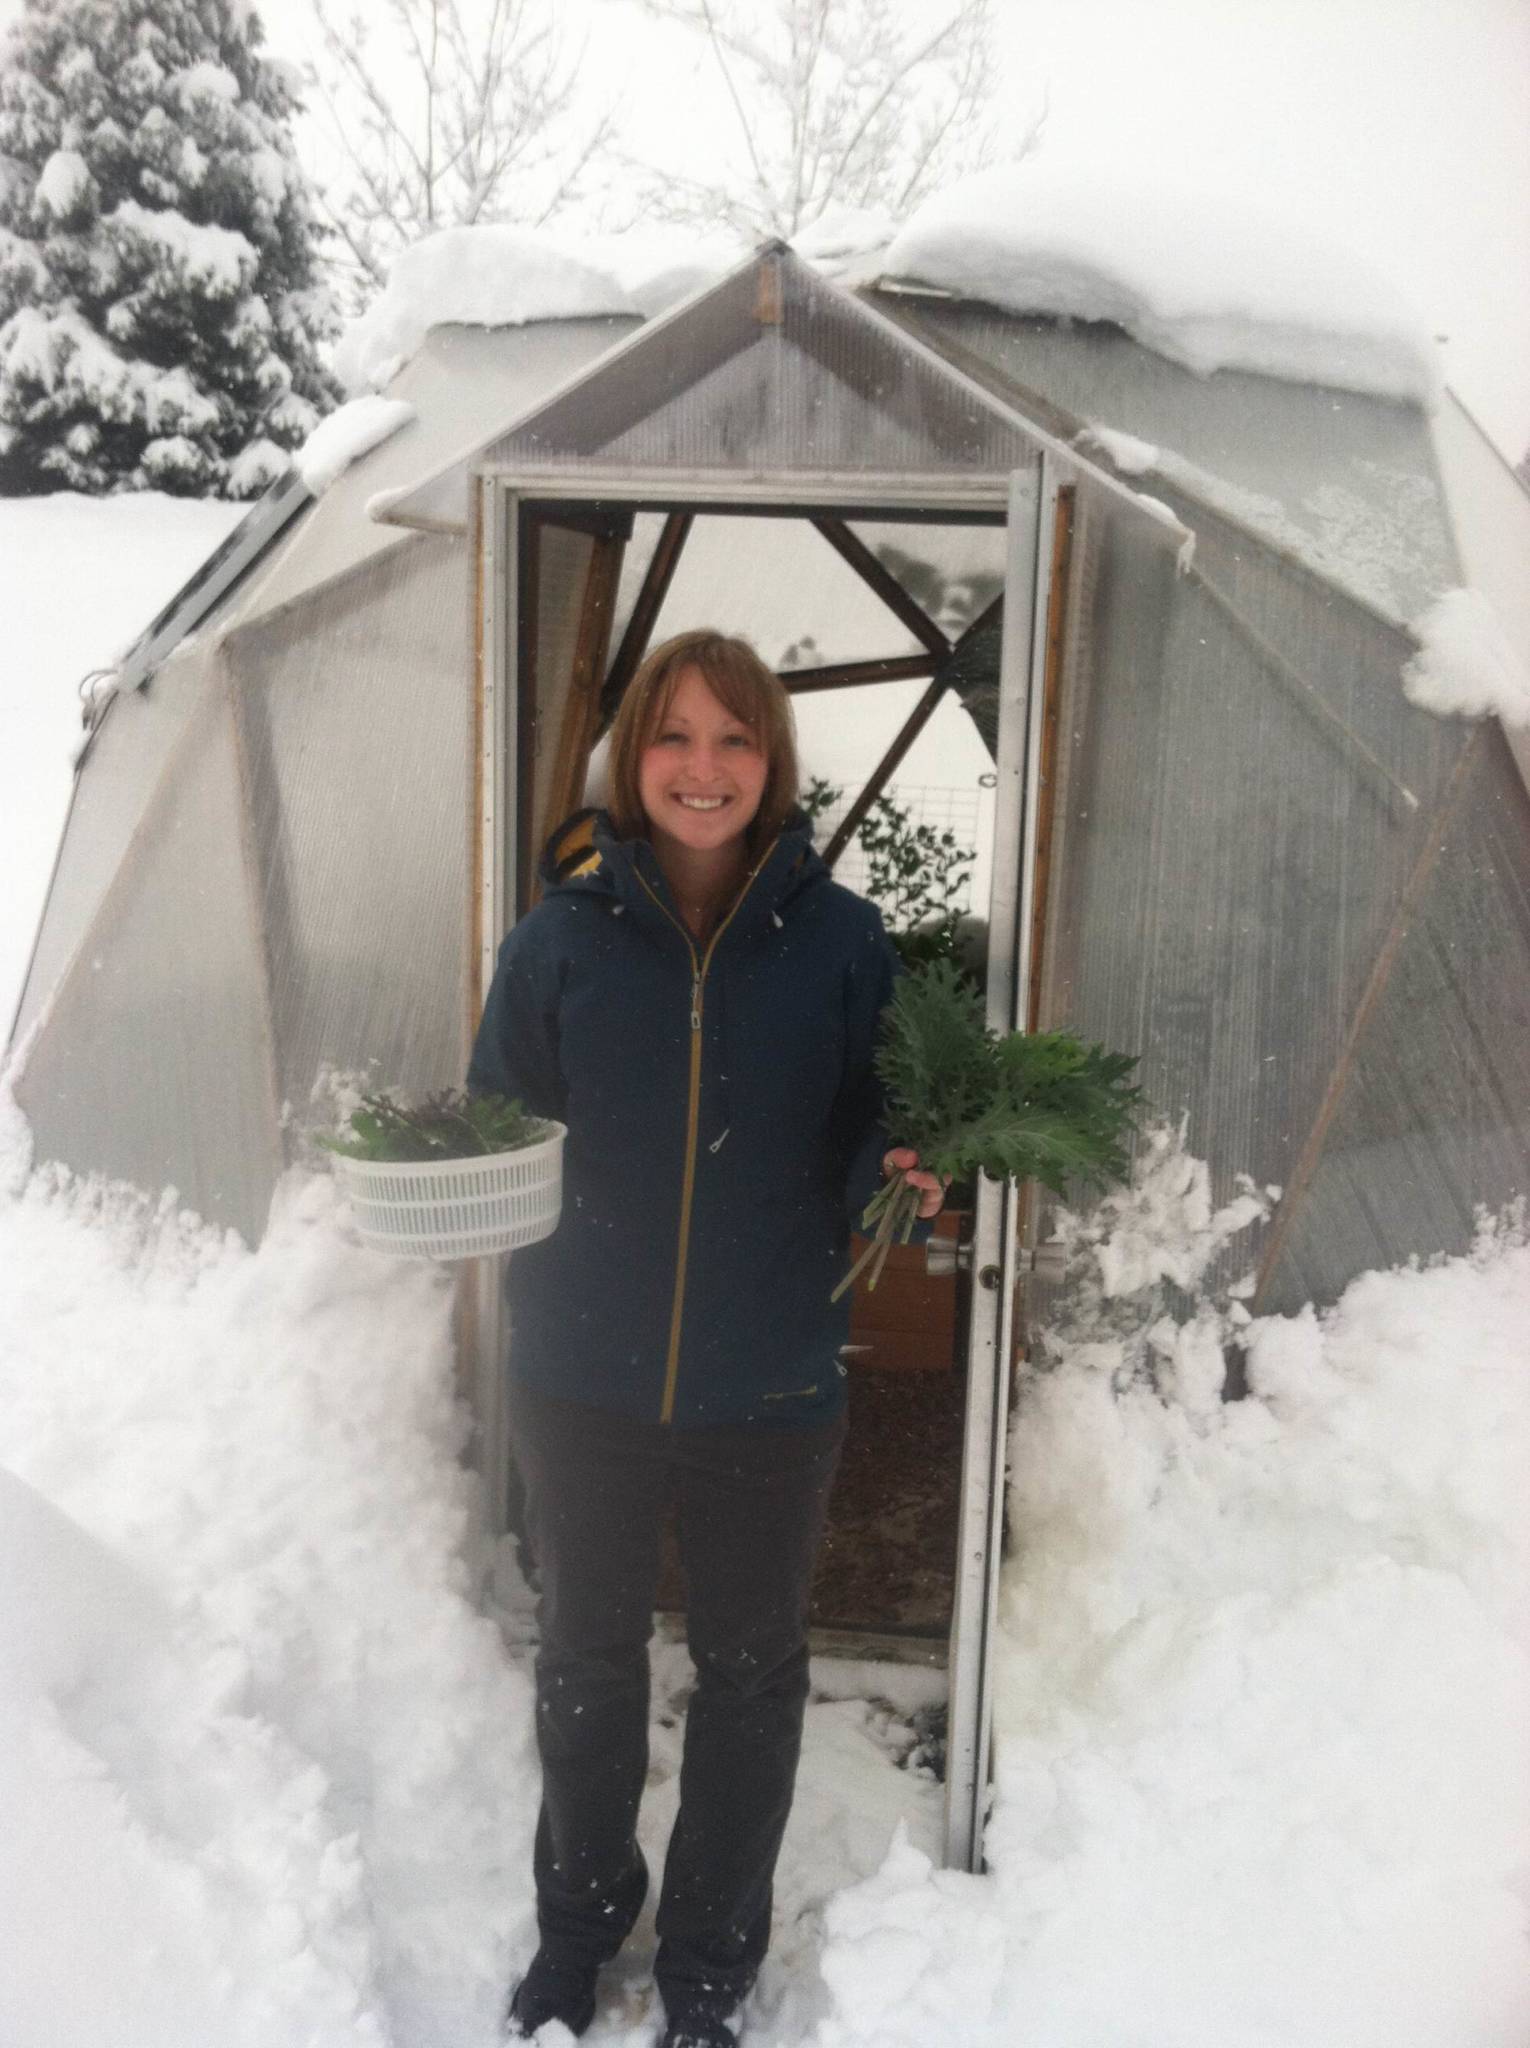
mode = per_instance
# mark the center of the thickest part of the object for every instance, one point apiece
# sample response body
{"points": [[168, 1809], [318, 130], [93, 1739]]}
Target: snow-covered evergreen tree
{"points": [[160, 315]]}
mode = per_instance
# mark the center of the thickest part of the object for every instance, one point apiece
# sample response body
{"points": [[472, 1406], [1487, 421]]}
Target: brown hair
{"points": [[744, 686]]}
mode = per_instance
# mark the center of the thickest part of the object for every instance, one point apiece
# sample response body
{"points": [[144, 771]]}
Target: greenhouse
{"points": [[1175, 609]]}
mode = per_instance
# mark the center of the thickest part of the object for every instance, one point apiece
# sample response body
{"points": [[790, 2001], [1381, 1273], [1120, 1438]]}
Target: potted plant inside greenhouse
{"points": [[455, 1176]]}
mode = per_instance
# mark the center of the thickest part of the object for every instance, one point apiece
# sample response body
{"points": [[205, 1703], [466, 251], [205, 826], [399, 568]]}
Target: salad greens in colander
{"points": [[447, 1125]]}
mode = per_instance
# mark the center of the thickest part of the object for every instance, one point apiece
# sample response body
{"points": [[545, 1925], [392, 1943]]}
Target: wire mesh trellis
{"points": [[944, 807]]}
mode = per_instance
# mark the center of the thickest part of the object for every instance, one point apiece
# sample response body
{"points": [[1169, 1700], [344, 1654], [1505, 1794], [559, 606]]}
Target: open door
{"points": [[552, 619], [995, 1242]]}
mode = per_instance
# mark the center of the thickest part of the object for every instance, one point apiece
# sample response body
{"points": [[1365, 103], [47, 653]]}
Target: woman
{"points": [[697, 1000]]}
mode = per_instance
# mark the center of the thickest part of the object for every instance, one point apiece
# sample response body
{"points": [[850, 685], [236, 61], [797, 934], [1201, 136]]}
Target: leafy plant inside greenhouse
{"points": [[916, 874]]}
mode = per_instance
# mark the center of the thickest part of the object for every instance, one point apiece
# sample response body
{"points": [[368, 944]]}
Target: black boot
{"points": [[701, 2025], [553, 1988]]}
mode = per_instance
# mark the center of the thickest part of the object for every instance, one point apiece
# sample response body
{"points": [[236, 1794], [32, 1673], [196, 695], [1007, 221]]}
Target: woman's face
{"points": [[702, 775]]}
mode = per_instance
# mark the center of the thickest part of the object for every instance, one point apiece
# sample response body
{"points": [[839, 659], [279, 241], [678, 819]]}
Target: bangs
{"points": [[745, 688]]}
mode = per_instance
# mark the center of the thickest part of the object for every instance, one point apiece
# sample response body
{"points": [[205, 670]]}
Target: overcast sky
{"points": [[1401, 127]]}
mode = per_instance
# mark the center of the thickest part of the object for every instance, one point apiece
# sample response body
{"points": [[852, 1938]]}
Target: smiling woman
{"points": [[700, 1000]]}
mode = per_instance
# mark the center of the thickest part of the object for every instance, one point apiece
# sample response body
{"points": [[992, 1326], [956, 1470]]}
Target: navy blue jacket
{"points": [[723, 1128]]}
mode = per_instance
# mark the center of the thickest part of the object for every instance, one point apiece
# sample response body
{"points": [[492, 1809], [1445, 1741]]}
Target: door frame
{"points": [[1025, 503]]}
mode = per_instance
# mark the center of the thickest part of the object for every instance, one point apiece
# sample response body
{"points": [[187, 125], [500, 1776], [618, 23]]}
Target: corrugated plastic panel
{"points": [[154, 1065], [466, 384], [1234, 824], [356, 717], [773, 372], [1347, 480], [114, 785], [1431, 1111]]}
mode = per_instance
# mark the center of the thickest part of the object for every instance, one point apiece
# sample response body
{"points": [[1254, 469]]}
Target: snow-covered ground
{"points": [[266, 1765], [79, 579]]}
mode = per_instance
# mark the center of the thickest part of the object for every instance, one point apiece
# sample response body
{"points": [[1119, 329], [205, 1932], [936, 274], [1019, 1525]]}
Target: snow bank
{"points": [[1465, 665], [268, 1776], [1262, 1681], [1202, 278], [347, 433], [487, 276], [1262, 1687]]}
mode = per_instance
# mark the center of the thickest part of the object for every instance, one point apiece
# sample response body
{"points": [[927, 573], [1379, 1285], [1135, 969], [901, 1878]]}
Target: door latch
{"points": [[1046, 1262]]}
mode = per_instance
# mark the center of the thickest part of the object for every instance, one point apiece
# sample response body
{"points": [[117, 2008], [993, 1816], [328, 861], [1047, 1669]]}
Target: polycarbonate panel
{"points": [[1432, 1117], [154, 1064], [1347, 480], [356, 719], [777, 406], [466, 384], [780, 584], [1230, 832], [113, 787], [772, 372]]}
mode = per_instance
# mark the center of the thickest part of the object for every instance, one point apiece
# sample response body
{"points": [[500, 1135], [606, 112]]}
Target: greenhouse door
{"points": [[548, 587], [995, 1243]]}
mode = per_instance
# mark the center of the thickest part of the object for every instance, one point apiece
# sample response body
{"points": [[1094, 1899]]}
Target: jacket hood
{"points": [[584, 857]]}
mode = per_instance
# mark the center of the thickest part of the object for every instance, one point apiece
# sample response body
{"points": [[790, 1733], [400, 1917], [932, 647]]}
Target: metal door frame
{"points": [[995, 1238], [1027, 499]]}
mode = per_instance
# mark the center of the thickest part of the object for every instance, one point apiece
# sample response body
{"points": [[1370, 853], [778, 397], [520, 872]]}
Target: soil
{"points": [[889, 1555], [888, 1563]]}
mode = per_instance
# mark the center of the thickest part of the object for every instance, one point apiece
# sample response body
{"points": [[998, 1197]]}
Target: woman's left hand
{"points": [[905, 1160]]}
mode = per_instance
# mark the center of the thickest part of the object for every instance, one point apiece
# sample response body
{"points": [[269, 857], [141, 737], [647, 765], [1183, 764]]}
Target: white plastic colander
{"points": [[457, 1208]]}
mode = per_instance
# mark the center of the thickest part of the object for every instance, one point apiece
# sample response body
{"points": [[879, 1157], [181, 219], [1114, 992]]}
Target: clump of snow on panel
{"points": [[1127, 453], [1353, 543], [1262, 1680], [1205, 280], [1465, 665], [348, 432], [486, 276], [1163, 1226]]}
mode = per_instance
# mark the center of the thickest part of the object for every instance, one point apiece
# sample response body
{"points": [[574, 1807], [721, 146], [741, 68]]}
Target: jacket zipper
{"points": [[692, 1117]]}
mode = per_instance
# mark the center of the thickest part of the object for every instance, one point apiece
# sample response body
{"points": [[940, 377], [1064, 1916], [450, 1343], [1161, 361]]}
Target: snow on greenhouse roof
{"points": [[488, 276], [496, 276], [1205, 280]]}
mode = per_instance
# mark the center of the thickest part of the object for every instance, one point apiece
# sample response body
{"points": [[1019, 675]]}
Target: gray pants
{"points": [[750, 1502]]}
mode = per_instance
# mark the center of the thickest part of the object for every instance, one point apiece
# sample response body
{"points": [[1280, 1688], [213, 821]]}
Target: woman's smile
{"points": [[703, 773]]}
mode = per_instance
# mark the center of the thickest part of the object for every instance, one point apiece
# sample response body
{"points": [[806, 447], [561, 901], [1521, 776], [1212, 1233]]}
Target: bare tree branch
{"points": [[446, 112], [831, 101]]}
